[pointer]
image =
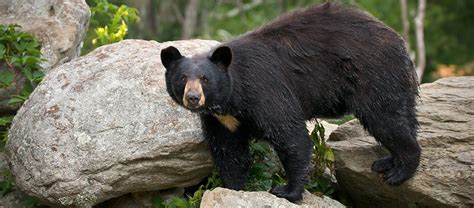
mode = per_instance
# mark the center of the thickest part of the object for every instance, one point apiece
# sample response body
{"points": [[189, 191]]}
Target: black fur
{"points": [[323, 61]]}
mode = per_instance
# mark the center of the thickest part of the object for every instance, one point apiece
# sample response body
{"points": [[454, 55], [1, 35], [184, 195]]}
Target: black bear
{"points": [[322, 61]]}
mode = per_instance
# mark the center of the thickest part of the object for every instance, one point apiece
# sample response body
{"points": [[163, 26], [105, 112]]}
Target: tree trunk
{"points": [[189, 24], [405, 22], [280, 6], [152, 17], [420, 40]]}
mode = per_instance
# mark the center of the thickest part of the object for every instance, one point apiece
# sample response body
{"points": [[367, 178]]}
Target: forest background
{"points": [[445, 47]]}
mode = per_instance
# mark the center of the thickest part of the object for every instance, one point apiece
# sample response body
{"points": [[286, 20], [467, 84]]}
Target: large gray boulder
{"points": [[60, 26], [103, 125], [222, 197], [445, 177]]}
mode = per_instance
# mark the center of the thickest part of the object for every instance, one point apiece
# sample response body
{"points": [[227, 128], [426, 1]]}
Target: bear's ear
{"points": [[170, 55], [222, 56]]}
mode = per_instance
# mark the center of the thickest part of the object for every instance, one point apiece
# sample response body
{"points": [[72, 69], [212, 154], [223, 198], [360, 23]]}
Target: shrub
{"points": [[20, 56], [20, 69], [109, 23]]}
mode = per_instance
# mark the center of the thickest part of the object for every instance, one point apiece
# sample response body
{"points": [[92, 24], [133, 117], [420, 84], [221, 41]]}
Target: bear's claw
{"points": [[283, 192], [383, 165], [393, 170]]}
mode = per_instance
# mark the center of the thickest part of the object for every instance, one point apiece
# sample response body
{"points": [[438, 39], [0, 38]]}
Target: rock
{"points": [[125, 201], [141, 199], [222, 197], [445, 177], [13, 198], [103, 125], [328, 127], [59, 24]]}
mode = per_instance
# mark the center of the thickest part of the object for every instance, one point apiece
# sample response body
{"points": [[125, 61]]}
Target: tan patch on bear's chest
{"points": [[230, 122]]}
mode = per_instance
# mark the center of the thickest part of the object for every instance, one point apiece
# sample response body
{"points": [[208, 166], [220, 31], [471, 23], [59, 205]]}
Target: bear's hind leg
{"points": [[229, 151], [396, 131]]}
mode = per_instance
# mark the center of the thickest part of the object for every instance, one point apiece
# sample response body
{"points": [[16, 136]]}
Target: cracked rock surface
{"points": [[103, 125], [445, 177]]}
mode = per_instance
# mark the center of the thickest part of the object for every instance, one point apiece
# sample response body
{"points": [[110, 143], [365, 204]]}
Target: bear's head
{"points": [[200, 82]]}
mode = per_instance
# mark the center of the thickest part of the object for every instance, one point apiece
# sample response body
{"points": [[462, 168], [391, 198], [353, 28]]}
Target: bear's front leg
{"points": [[294, 150], [229, 151], [289, 137]]}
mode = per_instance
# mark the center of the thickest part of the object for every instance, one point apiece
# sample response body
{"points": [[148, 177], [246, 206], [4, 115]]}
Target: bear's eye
{"points": [[204, 79], [184, 78]]}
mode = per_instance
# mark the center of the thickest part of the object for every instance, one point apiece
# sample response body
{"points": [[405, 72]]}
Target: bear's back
{"points": [[339, 50]]}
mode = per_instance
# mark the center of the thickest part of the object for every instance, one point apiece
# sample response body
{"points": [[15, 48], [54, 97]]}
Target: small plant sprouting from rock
{"points": [[323, 163]]}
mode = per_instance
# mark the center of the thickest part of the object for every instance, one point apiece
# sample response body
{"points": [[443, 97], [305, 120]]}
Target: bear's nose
{"points": [[193, 98]]}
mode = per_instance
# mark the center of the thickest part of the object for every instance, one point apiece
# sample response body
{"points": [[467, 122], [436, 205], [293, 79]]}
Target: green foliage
{"points": [[6, 178], [5, 122], [340, 121], [30, 202], [322, 152], [448, 33], [109, 23], [323, 158], [6, 183], [265, 169], [193, 201], [212, 182], [175, 202], [20, 70], [20, 59], [228, 20], [20, 55]]}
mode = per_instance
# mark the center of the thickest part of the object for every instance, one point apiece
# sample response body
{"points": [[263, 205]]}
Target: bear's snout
{"points": [[193, 98], [193, 94]]}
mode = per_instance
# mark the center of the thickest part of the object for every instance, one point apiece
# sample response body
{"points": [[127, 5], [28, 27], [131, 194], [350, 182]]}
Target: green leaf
{"points": [[16, 61], [30, 202], [28, 73], [329, 155], [28, 60], [5, 120], [6, 78], [16, 100], [38, 76], [7, 184], [3, 50], [27, 90], [158, 202], [179, 203]]}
